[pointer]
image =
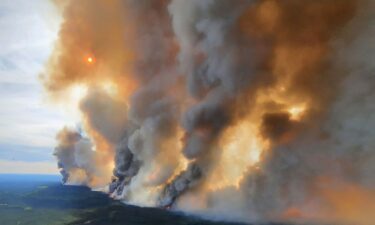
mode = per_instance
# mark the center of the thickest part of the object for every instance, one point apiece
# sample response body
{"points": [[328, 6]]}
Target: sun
{"points": [[90, 59]]}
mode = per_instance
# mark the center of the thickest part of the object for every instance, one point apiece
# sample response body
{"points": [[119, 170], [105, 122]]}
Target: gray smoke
{"points": [[75, 157], [198, 82], [153, 114], [179, 185], [216, 77]]}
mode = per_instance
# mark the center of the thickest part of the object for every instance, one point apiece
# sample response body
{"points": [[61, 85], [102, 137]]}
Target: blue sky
{"points": [[28, 125]]}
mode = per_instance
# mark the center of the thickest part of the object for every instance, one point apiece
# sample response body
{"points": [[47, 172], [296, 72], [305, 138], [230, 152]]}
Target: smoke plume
{"points": [[248, 110], [78, 163]]}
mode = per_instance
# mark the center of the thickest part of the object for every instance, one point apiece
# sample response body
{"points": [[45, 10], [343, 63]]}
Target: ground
{"points": [[43, 200]]}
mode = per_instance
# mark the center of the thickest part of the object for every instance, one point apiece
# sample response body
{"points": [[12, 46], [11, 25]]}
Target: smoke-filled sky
{"points": [[27, 125], [251, 110]]}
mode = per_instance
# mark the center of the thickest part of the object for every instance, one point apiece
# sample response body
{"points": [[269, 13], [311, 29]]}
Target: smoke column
{"points": [[245, 110]]}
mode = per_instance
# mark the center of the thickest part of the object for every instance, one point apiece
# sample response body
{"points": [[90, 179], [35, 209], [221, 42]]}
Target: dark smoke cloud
{"points": [[197, 86], [180, 184]]}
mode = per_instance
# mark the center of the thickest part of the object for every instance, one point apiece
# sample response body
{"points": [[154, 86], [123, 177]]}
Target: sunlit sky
{"points": [[28, 125]]}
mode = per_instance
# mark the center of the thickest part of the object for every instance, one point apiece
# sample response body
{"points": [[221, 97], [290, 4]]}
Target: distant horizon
{"points": [[25, 167], [44, 174]]}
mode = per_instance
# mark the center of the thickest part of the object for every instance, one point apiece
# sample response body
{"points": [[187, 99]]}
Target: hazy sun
{"points": [[90, 60]]}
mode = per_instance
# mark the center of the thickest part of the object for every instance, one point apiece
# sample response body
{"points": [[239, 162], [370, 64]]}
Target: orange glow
{"points": [[296, 112], [242, 150], [90, 60], [293, 212], [350, 203]]}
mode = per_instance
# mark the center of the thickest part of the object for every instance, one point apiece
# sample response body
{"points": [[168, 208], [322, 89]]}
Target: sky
{"points": [[28, 125]]}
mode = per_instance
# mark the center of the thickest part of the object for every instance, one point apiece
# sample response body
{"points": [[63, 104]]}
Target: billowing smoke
{"points": [[253, 110], [78, 163]]}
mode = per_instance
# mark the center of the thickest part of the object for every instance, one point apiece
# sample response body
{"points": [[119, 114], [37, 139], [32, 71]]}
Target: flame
{"points": [[242, 150], [296, 112], [286, 84]]}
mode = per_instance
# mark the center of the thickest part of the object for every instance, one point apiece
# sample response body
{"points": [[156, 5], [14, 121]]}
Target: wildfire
{"points": [[296, 112], [180, 124], [241, 146]]}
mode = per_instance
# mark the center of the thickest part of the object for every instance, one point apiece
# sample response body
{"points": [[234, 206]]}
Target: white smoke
{"points": [[245, 110]]}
